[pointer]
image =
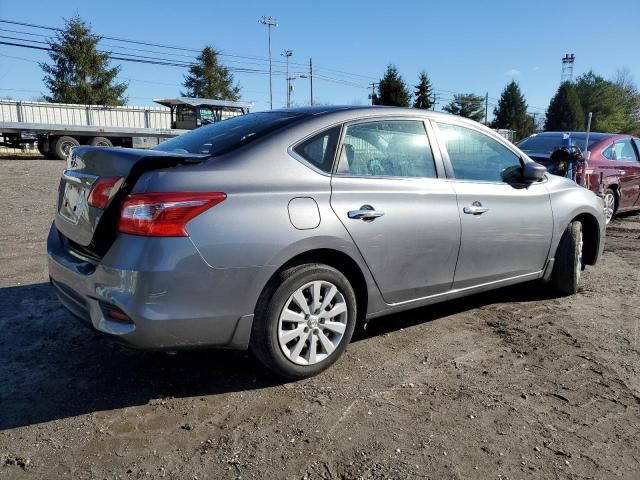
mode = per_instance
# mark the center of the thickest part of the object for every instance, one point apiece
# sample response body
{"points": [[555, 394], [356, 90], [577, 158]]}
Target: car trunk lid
{"points": [[87, 225]]}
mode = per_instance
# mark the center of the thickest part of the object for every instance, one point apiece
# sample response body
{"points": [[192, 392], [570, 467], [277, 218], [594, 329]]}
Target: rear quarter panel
{"points": [[252, 228]]}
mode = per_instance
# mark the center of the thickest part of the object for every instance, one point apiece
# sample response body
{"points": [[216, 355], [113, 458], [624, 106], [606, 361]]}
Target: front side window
{"points": [[320, 150], [207, 115], [387, 148], [621, 151], [476, 156]]}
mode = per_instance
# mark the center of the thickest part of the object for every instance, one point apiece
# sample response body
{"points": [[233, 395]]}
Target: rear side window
{"points": [[224, 137], [320, 150], [476, 156]]}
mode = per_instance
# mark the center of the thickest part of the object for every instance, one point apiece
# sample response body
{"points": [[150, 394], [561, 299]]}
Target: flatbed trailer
{"points": [[57, 128]]}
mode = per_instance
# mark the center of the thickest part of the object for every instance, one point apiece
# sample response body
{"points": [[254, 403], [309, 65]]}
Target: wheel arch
{"points": [[591, 237], [337, 259]]}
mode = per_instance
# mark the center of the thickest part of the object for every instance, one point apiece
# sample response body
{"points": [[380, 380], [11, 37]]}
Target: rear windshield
{"points": [[548, 143], [223, 137]]}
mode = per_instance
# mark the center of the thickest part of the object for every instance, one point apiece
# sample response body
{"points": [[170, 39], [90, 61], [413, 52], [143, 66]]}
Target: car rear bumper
{"points": [[172, 297]]}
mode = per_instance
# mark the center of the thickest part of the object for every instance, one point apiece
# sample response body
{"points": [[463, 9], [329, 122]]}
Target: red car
{"points": [[613, 168]]}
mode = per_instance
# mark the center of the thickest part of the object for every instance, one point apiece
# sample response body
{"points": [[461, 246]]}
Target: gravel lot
{"points": [[510, 384]]}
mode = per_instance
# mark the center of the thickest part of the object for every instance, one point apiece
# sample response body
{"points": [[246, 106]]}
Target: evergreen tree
{"points": [[466, 105], [209, 79], [392, 90], [424, 92], [79, 72], [565, 113], [612, 104], [511, 112]]}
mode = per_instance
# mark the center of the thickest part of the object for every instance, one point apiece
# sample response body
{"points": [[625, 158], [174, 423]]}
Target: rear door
{"points": [[401, 216], [622, 162], [506, 226]]}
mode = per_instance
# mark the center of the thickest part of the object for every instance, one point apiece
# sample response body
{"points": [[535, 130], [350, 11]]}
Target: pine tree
{"points": [[209, 79], [79, 72], [466, 105], [392, 90], [424, 92], [565, 113], [511, 112]]}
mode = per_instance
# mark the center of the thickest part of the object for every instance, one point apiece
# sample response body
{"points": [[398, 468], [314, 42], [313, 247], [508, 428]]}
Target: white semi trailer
{"points": [[57, 127]]}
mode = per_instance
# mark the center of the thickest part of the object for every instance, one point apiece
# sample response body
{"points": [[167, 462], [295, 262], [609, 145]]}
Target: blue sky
{"points": [[465, 46]]}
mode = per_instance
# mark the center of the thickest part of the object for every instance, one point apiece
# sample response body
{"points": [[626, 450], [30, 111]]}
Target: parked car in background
{"points": [[613, 167], [279, 231]]}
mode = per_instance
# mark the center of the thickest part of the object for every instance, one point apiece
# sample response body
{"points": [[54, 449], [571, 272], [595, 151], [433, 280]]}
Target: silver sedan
{"points": [[285, 231]]}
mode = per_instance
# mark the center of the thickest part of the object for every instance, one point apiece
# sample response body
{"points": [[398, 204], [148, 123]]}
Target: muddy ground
{"points": [[510, 384]]}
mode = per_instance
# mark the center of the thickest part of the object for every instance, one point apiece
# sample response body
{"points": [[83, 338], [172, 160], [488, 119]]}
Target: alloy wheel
{"points": [[579, 257], [609, 205], [312, 323]]}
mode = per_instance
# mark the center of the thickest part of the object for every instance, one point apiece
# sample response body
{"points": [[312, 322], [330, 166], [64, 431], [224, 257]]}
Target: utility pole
{"points": [[373, 91], [269, 22], [311, 79], [287, 53], [486, 107], [435, 99], [290, 85]]}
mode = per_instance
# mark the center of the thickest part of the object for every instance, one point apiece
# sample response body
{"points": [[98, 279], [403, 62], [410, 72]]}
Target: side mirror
{"points": [[532, 172]]}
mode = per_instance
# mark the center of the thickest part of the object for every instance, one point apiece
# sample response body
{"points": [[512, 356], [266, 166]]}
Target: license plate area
{"points": [[75, 201]]}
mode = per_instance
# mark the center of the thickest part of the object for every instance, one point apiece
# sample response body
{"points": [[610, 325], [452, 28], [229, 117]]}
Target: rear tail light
{"points": [[104, 190], [164, 214]]}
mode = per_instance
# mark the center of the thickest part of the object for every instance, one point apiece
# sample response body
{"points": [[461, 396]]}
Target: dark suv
{"points": [[613, 168]]}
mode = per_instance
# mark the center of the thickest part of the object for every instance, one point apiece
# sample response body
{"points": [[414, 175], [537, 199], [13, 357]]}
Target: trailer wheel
{"points": [[100, 142], [64, 146]]}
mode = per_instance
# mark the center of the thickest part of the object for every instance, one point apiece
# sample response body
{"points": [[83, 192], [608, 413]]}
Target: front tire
{"points": [[304, 321], [609, 200], [567, 268]]}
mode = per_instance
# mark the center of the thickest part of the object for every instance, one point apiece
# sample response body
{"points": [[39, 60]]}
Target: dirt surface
{"points": [[510, 384]]}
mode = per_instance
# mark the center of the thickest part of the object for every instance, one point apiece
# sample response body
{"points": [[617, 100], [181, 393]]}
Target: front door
{"points": [[506, 226], [401, 216]]}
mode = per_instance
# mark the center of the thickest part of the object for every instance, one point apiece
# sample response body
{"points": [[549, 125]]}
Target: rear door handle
{"points": [[476, 208], [366, 212]]}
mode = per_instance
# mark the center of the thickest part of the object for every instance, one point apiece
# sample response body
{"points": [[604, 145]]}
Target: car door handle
{"points": [[365, 213], [621, 172], [476, 208]]}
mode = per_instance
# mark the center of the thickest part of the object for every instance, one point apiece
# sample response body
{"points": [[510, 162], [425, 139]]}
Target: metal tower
{"points": [[567, 68]]}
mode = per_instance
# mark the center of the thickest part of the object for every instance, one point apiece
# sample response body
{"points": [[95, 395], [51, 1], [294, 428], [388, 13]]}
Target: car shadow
{"points": [[523, 292], [53, 367]]}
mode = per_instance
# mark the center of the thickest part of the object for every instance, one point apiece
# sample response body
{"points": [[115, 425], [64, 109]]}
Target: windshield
{"points": [[548, 143], [225, 136]]}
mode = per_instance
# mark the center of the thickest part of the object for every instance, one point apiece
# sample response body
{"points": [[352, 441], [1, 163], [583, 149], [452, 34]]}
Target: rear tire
{"points": [[298, 341], [100, 142], [565, 278], [64, 145]]}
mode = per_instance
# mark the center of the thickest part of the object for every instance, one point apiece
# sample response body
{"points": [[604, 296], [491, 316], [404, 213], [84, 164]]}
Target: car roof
{"points": [[592, 135], [365, 110]]}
